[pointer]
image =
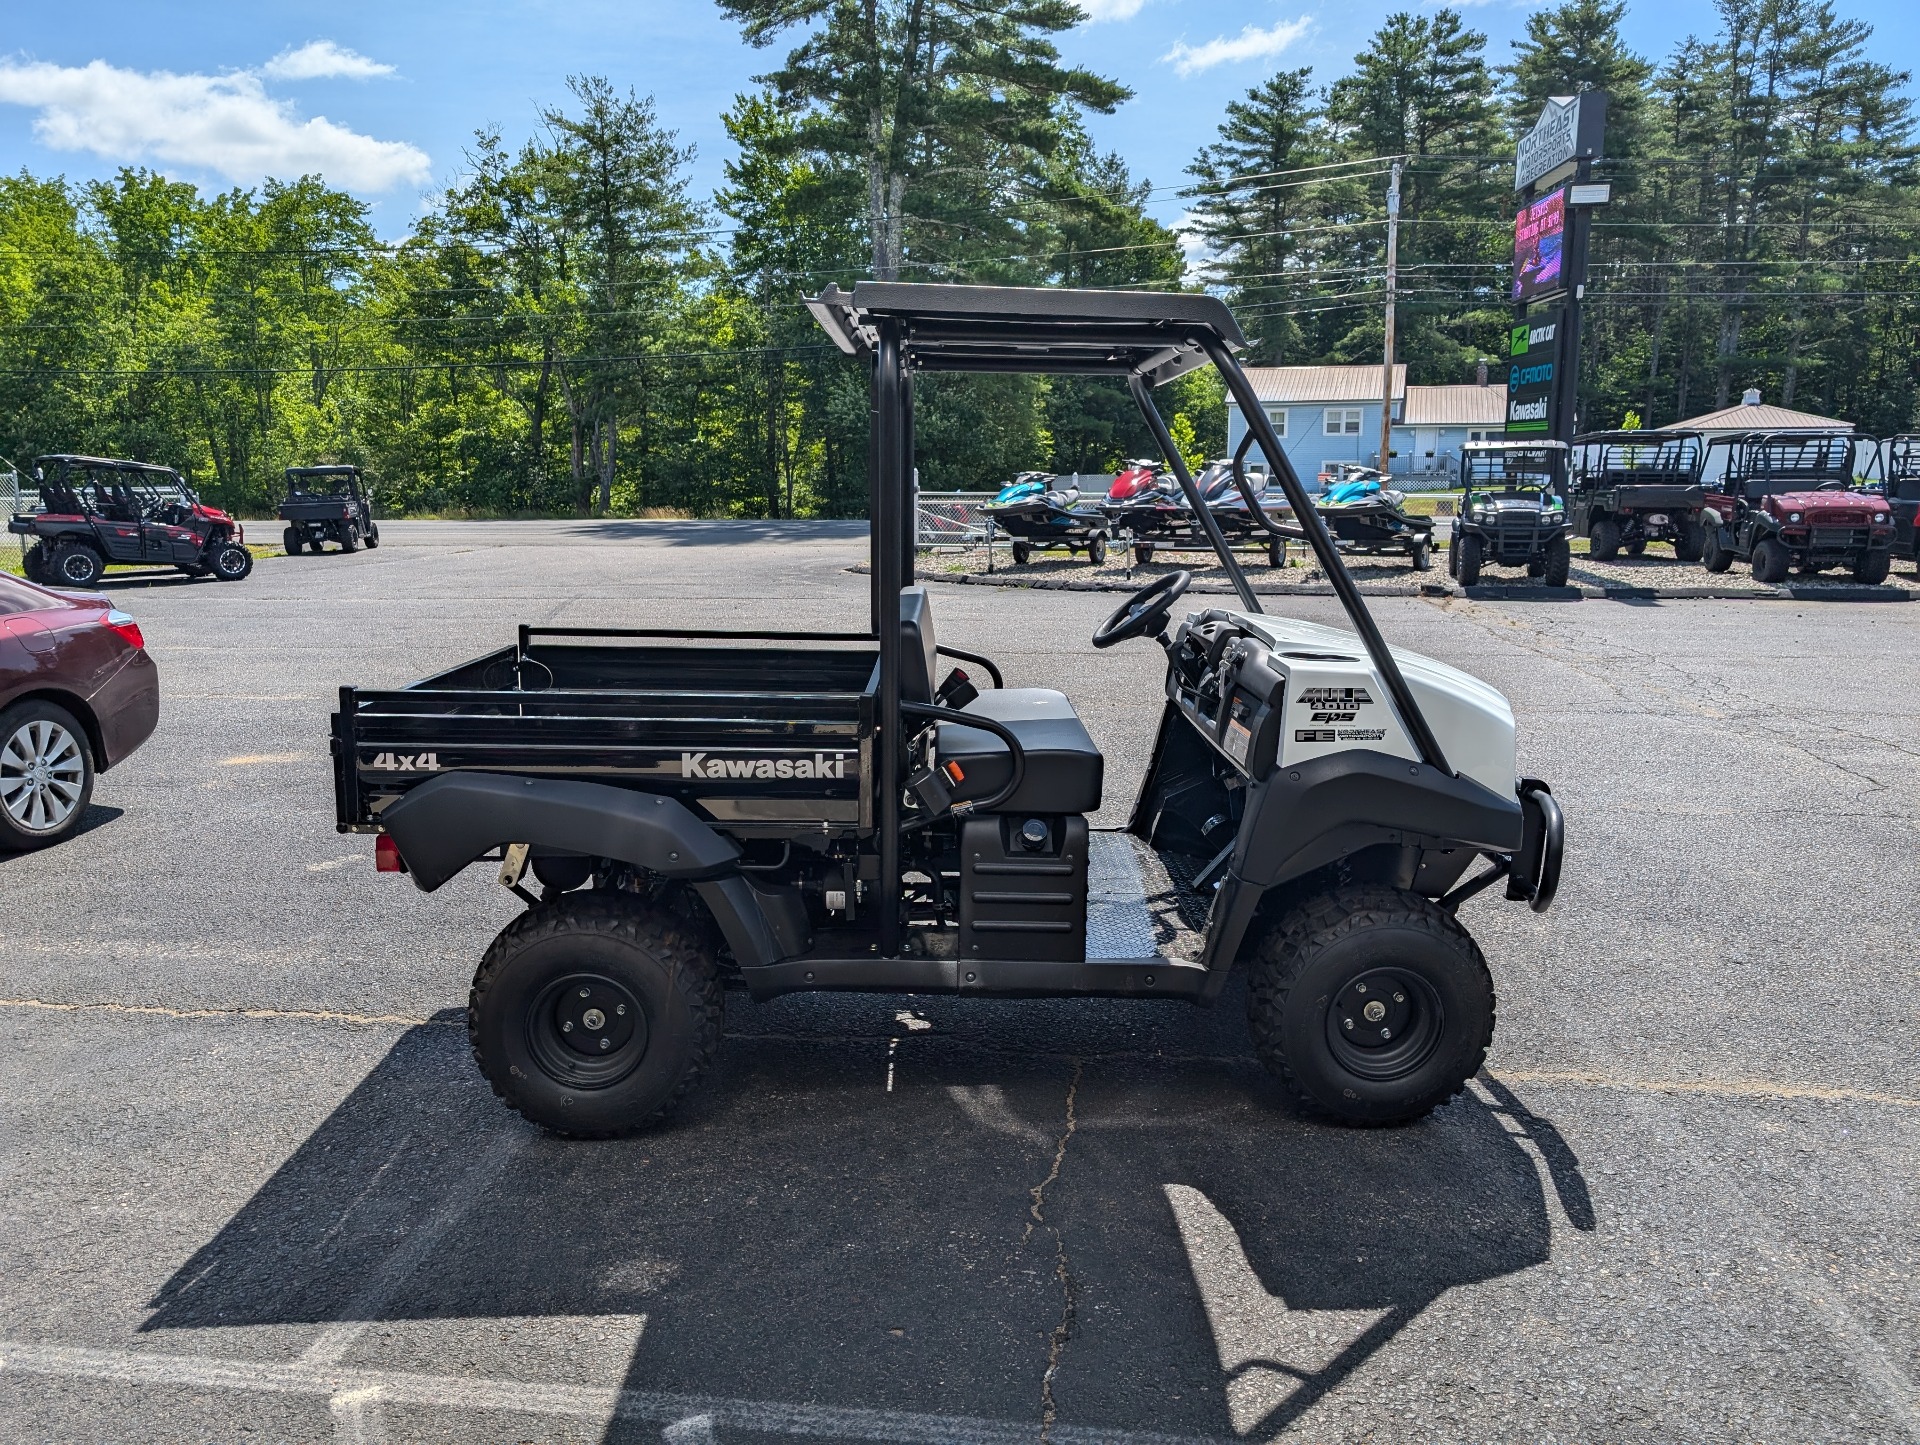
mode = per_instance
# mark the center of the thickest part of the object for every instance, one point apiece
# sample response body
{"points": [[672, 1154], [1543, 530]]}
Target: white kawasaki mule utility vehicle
{"points": [[786, 811]]}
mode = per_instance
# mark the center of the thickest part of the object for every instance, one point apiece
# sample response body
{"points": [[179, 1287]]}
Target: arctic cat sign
{"points": [[1534, 348]]}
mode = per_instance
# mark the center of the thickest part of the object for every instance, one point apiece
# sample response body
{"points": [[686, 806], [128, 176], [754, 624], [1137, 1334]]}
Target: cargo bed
{"points": [[762, 733]]}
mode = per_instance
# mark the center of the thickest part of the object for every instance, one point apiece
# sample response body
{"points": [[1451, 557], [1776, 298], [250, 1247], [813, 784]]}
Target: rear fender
{"points": [[445, 824]]}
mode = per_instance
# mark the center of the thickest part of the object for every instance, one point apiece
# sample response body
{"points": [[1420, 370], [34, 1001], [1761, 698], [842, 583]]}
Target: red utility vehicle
{"points": [[77, 694], [97, 512], [1794, 499]]}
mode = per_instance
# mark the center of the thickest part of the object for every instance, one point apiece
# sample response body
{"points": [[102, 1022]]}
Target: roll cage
{"points": [[1632, 458], [348, 479], [120, 491], [1758, 464], [1513, 466], [1145, 339]]}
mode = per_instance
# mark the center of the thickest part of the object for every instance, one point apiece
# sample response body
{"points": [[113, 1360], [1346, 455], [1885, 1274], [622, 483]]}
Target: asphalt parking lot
{"points": [[255, 1189]]}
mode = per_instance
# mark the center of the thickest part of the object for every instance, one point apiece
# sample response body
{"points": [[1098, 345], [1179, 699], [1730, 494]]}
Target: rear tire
{"points": [[1559, 562], [292, 541], [75, 565], [1770, 561], [350, 538], [1605, 540], [34, 563], [1470, 553], [1688, 541], [626, 955], [39, 808], [1371, 1004], [1872, 569]]}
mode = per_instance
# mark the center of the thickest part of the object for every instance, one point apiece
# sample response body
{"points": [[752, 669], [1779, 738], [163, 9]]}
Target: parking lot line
{"points": [[602, 1404]]}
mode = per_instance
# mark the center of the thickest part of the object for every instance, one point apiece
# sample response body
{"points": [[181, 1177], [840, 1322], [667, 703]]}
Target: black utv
{"points": [[328, 504], [1900, 460], [684, 812], [1513, 511], [1629, 488]]}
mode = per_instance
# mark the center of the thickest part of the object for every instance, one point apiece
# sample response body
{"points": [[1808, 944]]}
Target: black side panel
{"points": [[443, 825], [1315, 812]]}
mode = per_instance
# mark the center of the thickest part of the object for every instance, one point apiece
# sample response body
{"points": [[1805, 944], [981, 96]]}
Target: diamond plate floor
{"points": [[1135, 907]]}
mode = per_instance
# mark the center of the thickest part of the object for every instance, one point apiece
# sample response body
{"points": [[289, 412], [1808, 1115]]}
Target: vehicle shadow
{"points": [[98, 815], [714, 532], [913, 1230]]}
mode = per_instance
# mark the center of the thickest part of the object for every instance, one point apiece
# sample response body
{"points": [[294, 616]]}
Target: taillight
{"points": [[386, 855], [118, 621]]}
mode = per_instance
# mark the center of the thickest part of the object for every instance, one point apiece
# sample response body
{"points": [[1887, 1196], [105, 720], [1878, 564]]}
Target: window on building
{"points": [[1278, 416], [1343, 421]]}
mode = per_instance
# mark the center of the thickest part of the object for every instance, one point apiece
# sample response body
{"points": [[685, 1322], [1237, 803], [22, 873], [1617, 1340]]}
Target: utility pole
{"points": [[1386, 365]]}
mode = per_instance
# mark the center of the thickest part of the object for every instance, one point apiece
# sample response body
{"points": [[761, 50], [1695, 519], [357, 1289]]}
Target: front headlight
{"points": [[1793, 516]]}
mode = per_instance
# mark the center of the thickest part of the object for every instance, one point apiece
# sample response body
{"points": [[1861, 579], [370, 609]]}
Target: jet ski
{"points": [[1366, 516], [1041, 516], [1154, 513]]}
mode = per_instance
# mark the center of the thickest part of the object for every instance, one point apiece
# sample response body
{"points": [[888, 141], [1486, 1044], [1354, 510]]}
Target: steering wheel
{"points": [[1145, 611], [1834, 486]]}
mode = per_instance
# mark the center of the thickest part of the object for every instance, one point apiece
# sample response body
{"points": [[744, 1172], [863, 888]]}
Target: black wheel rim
{"points": [[587, 1031], [231, 562], [78, 567], [1385, 1023]]}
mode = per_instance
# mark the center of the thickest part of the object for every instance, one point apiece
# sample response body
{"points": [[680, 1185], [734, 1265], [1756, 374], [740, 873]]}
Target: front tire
{"points": [[230, 562], [1559, 562], [1873, 567], [46, 775], [1371, 1004], [1770, 561], [578, 961], [373, 535], [1713, 556], [1470, 551]]}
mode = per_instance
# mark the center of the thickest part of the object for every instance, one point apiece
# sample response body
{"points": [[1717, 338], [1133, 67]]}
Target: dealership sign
{"points": [[1534, 349], [1569, 129]]}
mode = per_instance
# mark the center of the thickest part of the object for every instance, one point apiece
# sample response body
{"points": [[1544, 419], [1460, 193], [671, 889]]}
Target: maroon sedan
{"points": [[77, 694]]}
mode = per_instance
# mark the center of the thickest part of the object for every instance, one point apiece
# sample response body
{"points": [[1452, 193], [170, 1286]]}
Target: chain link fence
{"points": [[11, 505]]}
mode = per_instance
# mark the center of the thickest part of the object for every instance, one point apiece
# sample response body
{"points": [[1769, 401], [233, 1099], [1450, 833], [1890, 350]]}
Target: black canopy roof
{"points": [[74, 459], [1030, 328], [335, 469]]}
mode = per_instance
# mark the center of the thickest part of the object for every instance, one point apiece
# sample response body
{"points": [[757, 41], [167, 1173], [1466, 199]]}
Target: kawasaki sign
{"points": [[1533, 346]]}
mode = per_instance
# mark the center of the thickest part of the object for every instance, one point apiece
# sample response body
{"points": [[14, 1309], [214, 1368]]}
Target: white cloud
{"points": [[1252, 43], [1097, 10], [323, 60], [226, 124]]}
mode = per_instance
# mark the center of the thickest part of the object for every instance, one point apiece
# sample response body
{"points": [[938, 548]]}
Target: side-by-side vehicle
{"points": [[101, 512], [1513, 511], [1801, 499], [1629, 488], [686, 811]]}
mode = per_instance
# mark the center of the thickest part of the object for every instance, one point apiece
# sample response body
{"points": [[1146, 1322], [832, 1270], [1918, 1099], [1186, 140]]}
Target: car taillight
{"points": [[117, 621], [386, 855]]}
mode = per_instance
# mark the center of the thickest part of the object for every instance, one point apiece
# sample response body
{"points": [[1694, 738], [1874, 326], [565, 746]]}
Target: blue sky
{"points": [[383, 99]]}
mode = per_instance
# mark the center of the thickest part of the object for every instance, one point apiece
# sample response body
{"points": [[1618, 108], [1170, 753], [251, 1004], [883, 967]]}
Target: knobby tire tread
{"points": [[659, 933], [1322, 921]]}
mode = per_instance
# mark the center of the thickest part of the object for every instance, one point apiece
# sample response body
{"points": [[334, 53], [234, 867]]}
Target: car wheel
{"points": [[231, 562], [1097, 551], [1605, 544], [1770, 561], [1559, 562], [1470, 553], [594, 1015], [46, 774], [292, 541], [1371, 1004], [76, 565], [1873, 567]]}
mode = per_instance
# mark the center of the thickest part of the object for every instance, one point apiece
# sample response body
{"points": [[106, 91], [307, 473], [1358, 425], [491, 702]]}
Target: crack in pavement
{"points": [[1037, 1210]]}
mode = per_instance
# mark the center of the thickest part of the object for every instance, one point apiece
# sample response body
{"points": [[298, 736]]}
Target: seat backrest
{"points": [[919, 661]]}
